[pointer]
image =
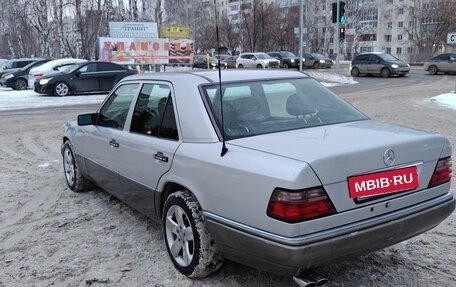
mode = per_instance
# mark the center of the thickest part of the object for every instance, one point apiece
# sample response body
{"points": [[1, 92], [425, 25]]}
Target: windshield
{"points": [[260, 107], [318, 56], [68, 68], [388, 57], [287, 54], [263, 56]]}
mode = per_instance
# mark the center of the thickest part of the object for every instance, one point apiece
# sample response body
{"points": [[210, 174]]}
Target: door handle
{"points": [[114, 143], [159, 155]]}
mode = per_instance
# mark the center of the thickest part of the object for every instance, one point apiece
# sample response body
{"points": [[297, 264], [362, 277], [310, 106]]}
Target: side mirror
{"points": [[87, 119], [77, 73]]}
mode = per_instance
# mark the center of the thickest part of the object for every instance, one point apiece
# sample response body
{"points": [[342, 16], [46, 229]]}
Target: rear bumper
{"points": [[290, 256]]}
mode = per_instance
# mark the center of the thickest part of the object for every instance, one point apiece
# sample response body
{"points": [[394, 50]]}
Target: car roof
{"points": [[212, 76], [372, 53]]}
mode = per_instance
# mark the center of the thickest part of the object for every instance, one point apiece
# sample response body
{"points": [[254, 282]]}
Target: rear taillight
{"points": [[442, 172], [296, 206], [38, 75]]}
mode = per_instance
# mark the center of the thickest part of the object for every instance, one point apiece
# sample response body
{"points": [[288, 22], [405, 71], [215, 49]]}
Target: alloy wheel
{"points": [[179, 236]]}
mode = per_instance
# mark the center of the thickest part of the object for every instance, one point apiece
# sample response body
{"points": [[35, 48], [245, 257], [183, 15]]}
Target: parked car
{"points": [[82, 78], [316, 61], [16, 64], [443, 63], [231, 62], [289, 178], [377, 63], [200, 61], [287, 59], [51, 67], [18, 79], [258, 60]]}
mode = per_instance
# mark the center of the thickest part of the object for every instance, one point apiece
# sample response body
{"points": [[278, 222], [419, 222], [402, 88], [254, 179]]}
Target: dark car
{"points": [[287, 59], [316, 61], [201, 61], [87, 77], [16, 64], [17, 79], [231, 62], [375, 63], [443, 63]]}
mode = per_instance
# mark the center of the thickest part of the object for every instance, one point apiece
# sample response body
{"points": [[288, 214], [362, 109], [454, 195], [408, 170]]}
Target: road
{"points": [[50, 236]]}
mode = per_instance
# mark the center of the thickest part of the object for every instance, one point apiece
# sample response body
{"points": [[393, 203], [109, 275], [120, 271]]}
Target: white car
{"points": [[258, 60], [51, 66]]}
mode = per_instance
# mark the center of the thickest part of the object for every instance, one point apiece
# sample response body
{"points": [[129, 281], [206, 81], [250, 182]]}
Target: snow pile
{"points": [[447, 100]]}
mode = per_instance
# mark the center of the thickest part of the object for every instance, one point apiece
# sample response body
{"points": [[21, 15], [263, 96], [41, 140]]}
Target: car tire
{"points": [[187, 240], [61, 89], [316, 65], [433, 70], [354, 72], [20, 84], [385, 72], [73, 176], [259, 66], [286, 66], [240, 66]]}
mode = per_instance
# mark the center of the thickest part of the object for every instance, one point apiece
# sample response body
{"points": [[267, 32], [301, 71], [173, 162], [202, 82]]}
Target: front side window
{"points": [[115, 110], [89, 68], [154, 113], [260, 107]]}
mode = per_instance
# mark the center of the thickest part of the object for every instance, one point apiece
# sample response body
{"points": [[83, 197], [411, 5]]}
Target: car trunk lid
{"points": [[338, 152]]}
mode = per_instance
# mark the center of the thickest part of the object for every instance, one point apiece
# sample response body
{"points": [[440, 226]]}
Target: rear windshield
{"points": [[260, 107]]}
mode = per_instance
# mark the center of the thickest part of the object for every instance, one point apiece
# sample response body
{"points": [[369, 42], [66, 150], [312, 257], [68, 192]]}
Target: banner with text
{"points": [[145, 51]]}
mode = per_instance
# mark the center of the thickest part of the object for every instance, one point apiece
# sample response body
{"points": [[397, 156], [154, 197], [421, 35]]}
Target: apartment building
{"points": [[404, 28]]}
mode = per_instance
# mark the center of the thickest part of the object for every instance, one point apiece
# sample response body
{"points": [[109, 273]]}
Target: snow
{"points": [[447, 100], [15, 100]]}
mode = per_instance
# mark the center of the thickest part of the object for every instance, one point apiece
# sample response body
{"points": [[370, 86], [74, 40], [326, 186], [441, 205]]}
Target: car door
{"points": [[85, 79], [101, 141], [308, 60], [446, 63], [374, 64], [108, 75], [147, 150]]}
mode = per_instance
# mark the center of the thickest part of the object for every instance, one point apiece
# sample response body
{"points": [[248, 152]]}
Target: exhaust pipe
{"points": [[309, 279]]}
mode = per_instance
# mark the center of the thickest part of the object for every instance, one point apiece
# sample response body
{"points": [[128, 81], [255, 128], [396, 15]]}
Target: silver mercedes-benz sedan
{"points": [[266, 168]]}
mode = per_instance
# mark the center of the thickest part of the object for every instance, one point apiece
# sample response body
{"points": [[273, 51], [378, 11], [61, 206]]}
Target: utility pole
{"points": [[337, 36], [301, 24]]}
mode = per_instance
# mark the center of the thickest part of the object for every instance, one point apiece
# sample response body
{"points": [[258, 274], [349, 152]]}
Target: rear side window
{"points": [[108, 67], [154, 113], [361, 59]]}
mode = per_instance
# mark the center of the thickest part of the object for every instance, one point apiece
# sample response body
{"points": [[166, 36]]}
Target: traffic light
{"points": [[334, 12], [342, 33], [342, 17], [341, 12]]}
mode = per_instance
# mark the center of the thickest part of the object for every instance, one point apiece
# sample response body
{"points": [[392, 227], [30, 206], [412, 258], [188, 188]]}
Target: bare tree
{"points": [[429, 25]]}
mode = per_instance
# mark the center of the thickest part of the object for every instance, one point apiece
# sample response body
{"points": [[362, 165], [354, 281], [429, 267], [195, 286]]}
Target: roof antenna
{"points": [[224, 148]]}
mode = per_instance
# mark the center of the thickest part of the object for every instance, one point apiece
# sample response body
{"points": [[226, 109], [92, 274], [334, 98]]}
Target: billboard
{"points": [[175, 32], [145, 51], [133, 30]]}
